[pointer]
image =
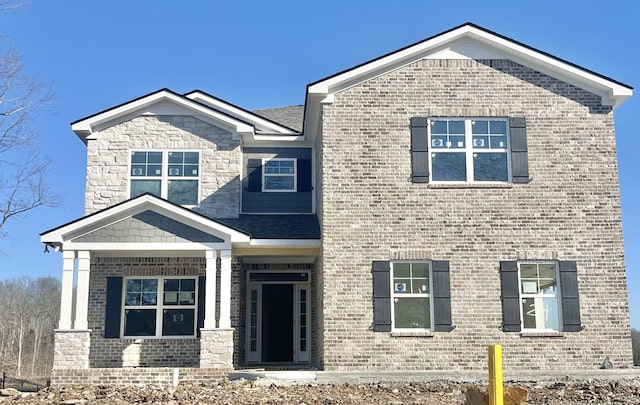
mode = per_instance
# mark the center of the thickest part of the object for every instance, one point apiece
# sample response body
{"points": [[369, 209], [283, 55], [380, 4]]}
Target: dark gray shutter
{"points": [[510, 294], [304, 175], [441, 296], [113, 307], [419, 150], [381, 296], [570, 297], [201, 295], [519, 150], [254, 175]]}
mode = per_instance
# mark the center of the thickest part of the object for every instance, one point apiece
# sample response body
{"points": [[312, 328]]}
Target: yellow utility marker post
{"points": [[495, 375]]}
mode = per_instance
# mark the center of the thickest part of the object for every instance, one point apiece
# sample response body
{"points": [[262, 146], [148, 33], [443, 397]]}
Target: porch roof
{"points": [[294, 226]]}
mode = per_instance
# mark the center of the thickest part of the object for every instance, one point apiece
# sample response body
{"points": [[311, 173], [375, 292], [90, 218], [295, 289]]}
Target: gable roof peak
{"points": [[488, 44], [86, 127]]}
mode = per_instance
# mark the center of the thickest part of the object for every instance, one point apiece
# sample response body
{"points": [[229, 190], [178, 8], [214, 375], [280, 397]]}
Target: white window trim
{"points": [[468, 150], [158, 307], [557, 295], [294, 175], [164, 176], [393, 296]]}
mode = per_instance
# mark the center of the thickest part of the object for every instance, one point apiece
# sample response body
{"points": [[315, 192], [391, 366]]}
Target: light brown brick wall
{"points": [[109, 155], [371, 211], [107, 353], [125, 377]]}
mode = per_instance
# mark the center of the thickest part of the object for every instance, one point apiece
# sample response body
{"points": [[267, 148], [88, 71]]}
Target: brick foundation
{"points": [[123, 377]]}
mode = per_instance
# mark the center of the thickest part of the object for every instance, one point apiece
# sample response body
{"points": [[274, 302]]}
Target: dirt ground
{"points": [[248, 392]]}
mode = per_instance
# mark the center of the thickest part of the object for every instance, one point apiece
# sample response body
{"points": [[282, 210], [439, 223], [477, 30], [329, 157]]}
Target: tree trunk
{"points": [[20, 340]]}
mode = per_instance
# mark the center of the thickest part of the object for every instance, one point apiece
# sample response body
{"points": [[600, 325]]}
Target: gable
{"points": [[150, 227], [161, 102], [144, 219], [470, 41]]}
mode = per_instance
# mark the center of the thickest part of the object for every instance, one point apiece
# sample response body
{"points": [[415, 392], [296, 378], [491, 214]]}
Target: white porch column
{"points": [[225, 289], [66, 301], [82, 292], [210, 289]]}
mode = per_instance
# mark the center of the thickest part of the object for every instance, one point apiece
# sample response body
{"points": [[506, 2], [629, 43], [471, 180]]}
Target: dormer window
{"points": [[172, 175]]}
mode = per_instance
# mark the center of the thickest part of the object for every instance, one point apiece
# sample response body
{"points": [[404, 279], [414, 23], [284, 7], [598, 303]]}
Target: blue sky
{"points": [[259, 54]]}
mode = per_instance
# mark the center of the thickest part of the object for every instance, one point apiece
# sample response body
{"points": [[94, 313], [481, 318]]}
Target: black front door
{"points": [[277, 322]]}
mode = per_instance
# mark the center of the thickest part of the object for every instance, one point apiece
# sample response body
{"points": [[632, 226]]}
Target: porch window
{"points": [[159, 307]]}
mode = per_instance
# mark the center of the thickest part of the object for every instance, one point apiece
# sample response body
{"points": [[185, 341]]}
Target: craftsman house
{"points": [[458, 192]]}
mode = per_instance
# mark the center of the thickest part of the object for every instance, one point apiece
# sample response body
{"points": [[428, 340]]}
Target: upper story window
{"points": [[173, 175], [158, 307], [411, 297], [279, 175], [468, 150]]}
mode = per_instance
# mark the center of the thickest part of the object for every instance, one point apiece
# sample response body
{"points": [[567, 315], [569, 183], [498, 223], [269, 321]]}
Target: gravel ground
{"points": [[248, 392]]}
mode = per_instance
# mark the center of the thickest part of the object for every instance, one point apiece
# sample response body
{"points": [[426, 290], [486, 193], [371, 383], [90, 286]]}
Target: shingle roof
{"points": [[294, 226], [290, 116]]}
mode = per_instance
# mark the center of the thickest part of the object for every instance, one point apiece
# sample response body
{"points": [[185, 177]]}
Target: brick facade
{"points": [[111, 352], [372, 211]]}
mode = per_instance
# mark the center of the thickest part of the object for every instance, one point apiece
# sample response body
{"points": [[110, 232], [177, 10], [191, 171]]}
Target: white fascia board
{"points": [[313, 118], [261, 123], [612, 93], [152, 247], [87, 126], [383, 65], [249, 142], [286, 242], [271, 139]]}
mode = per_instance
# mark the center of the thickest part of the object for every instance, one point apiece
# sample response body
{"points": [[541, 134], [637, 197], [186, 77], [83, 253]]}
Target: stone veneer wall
{"points": [[111, 352], [109, 155], [217, 349], [71, 349], [372, 211]]}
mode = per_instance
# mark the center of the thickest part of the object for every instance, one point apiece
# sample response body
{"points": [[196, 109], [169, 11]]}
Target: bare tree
{"points": [[43, 321], [22, 169], [27, 322], [635, 344]]}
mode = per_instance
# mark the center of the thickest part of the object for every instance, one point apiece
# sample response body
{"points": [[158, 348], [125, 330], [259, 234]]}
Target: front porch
{"points": [[206, 296]]}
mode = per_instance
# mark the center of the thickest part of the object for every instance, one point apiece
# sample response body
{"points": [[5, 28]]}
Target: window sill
{"points": [[542, 334], [469, 185], [138, 340], [412, 334]]}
